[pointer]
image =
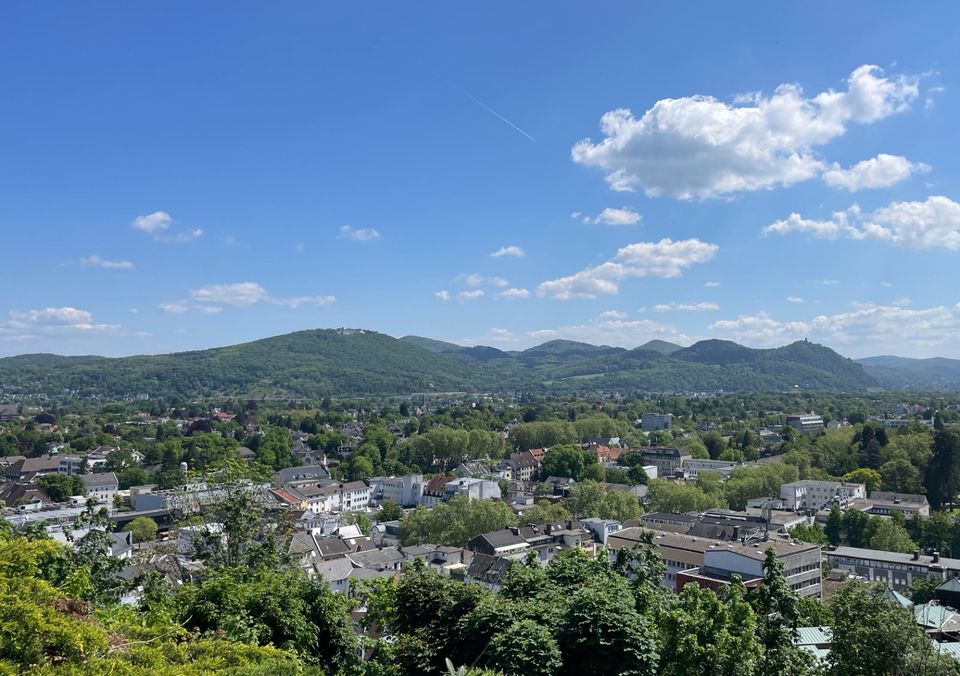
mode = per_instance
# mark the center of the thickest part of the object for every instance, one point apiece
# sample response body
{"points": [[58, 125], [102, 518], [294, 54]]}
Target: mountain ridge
{"points": [[324, 362]]}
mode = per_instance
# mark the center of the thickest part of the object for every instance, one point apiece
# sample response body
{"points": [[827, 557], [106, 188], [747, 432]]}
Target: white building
{"points": [[472, 489], [101, 487], [70, 464], [405, 491], [652, 422], [811, 494], [805, 423], [693, 467]]}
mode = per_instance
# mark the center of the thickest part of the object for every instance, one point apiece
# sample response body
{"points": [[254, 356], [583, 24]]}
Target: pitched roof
{"points": [[501, 538], [100, 479], [436, 484]]}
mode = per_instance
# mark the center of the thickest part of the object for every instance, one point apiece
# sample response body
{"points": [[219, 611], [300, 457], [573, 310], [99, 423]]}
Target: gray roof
{"points": [[892, 557], [108, 479], [376, 559], [909, 498], [334, 570], [502, 538]]}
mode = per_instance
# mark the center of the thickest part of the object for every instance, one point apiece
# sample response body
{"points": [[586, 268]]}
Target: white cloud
{"points": [[610, 216], [830, 282], [665, 258], [508, 251], [794, 299], [867, 328], [514, 293], [697, 147], [711, 285], [886, 285], [612, 314], [358, 234], [61, 322], [933, 223], [500, 334], [158, 223], [881, 171], [475, 280], [470, 295], [442, 295], [688, 307], [153, 223], [209, 298], [97, 262], [602, 331]]}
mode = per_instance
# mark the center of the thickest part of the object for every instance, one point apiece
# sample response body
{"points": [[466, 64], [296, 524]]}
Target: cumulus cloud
{"points": [[607, 331], [470, 295], [881, 171], [867, 327], [475, 280], [686, 307], [697, 147], [97, 262], [508, 251], [158, 224], [610, 216], [933, 223], [358, 234], [442, 294], [711, 285], [54, 322], [153, 223], [612, 314], [665, 258], [209, 298], [794, 299], [514, 293]]}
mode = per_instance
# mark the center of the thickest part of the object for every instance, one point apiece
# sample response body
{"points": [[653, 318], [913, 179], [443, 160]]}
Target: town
{"points": [[357, 496]]}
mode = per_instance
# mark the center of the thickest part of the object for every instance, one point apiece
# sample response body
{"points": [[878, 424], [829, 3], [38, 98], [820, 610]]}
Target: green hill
{"points": [[661, 346], [359, 363], [936, 373]]}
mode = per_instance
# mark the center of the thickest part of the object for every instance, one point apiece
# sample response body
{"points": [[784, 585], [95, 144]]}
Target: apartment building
{"points": [[806, 423], [653, 422], [816, 495]]}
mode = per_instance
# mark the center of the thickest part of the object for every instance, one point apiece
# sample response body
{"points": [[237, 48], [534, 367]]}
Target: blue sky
{"points": [[178, 176]]}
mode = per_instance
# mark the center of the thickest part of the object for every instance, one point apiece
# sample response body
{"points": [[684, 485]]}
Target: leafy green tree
{"points": [[144, 529], [871, 634], [525, 647], [456, 522], [715, 444], [891, 537], [900, 476], [601, 632], [546, 512], [565, 461], [668, 496], [591, 499], [943, 471], [61, 487], [702, 633], [389, 511], [869, 477], [777, 612], [814, 533], [834, 527]]}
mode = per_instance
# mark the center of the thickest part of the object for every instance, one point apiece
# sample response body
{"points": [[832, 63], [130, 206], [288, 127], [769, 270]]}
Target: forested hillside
{"points": [[327, 362]]}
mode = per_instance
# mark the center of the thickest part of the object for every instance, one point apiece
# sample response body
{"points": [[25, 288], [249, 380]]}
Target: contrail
{"points": [[491, 111]]}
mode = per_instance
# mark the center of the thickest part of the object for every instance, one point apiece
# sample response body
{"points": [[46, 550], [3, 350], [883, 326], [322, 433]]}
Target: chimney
{"points": [[936, 557], [916, 554]]}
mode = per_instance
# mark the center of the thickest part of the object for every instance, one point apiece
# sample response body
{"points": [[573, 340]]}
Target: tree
{"points": [[834, 526], [591, 499], [564, 461], [715, 444], [525, 647], [600, 632], [891, 537], [144, 529], [389, 511], [706, 634], [814, 533], [871, 634], [667, 496], [456, 522], [546, 512], [943, 471], [61, 487], [899, 476], [869, 477], [637, 475], [775, 605]]}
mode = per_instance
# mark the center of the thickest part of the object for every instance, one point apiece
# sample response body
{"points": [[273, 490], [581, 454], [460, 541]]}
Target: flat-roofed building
{"points": [[806, 423], [892, 568], [652, 422], [816, 495]]}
